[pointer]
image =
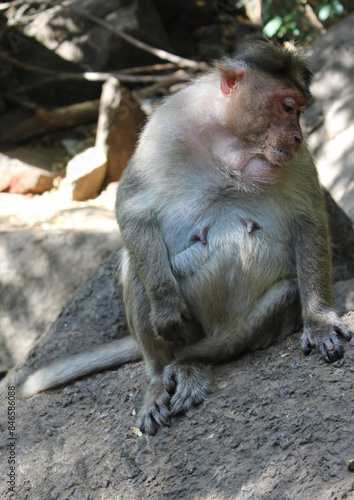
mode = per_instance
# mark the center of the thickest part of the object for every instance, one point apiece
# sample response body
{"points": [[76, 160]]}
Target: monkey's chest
{"points": [[238, 247]]}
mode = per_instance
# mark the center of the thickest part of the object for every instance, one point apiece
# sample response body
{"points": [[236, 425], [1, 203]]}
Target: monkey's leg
{"points": [[276, 315], [157, 353], [156, 408]]}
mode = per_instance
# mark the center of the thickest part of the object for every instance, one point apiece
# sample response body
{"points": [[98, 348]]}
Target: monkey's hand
{"points": [[324, 332], [168, 318], [187, 383]]}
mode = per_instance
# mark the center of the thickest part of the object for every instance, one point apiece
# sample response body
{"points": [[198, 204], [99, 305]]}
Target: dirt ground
{"points": [[276, 424]]}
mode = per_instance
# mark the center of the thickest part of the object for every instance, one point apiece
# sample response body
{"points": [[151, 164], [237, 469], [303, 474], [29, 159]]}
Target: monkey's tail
{"points": [[99, 358]]}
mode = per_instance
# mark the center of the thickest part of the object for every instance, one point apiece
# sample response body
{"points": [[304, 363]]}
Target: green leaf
{"points": [[324, 12], [338, 8], [272, 27]]}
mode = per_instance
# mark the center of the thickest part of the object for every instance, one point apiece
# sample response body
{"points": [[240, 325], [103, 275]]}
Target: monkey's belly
{"points": [[233, 269]]}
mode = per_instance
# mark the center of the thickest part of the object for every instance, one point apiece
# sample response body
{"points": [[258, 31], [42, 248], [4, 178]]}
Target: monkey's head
{"points": [[266, 88]]}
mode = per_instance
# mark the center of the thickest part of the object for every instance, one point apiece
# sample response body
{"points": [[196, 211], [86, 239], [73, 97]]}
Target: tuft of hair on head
{"points": [[284, 62]]}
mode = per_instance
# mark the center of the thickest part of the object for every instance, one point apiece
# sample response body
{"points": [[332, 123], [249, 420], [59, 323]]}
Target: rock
{"points": [[330, 120], [119, 124], [40, 270], [138, 18], [17, 176], [85, 173], [270, 414], [49, 246], [344, 295], [342, 240]]}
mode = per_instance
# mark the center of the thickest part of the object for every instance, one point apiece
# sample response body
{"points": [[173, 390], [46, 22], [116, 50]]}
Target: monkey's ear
{"points": [[229, 78]]}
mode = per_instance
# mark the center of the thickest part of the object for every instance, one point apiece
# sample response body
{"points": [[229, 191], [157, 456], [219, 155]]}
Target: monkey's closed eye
{"points": [[288, 104], [287, 108]]}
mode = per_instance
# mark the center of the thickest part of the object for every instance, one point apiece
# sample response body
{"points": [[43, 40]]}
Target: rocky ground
{"points": [[49, 246], [276, 424]]}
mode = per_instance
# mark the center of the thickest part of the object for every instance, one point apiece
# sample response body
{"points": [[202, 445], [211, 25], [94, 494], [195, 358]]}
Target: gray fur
{"points": [[100, 358]]}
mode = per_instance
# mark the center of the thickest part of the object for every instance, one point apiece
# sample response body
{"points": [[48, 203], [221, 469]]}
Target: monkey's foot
{"points": [[156, 408], [325, 335], [187, 384]]}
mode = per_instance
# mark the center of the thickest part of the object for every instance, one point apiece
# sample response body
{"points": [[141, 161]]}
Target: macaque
{"points": [[225, 234]]}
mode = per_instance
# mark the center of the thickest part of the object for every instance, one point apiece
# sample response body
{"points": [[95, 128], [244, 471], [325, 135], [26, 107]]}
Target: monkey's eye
{"points": [[289, 104]]}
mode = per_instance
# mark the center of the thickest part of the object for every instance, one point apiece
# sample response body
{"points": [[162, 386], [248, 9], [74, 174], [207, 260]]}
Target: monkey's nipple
{"points": [[250, 225], [201, 235]]}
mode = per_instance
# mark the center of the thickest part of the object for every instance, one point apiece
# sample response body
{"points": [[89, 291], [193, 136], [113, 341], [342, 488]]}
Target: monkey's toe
{"points": [[188, 383], [155, 410], [152, 419]]}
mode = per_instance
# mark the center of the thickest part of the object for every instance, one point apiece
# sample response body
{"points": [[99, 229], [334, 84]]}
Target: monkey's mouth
{"points": [[282, 152]]}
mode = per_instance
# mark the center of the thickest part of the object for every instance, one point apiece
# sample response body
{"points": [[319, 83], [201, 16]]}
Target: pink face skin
{"points": [[281, 113], [266, 124]]}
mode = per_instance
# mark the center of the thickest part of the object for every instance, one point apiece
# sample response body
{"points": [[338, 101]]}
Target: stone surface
{"points": [[85, 173], [39, 271], [331, 119], [49, 246], [120, 122], [18, 177], [276, 424], [344, 295]]}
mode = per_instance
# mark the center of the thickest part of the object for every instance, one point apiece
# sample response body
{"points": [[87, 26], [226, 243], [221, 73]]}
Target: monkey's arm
{"points": [[149, 258], [322, 326]]}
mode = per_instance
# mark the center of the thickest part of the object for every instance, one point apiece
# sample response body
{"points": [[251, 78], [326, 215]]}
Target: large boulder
{"points": [[59, 28], [330, 120], [275, 424]]}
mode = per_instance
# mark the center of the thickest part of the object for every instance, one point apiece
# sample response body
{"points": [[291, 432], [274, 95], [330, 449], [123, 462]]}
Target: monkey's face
{"points": [[263, 113], [271, 128], [282, 110]]}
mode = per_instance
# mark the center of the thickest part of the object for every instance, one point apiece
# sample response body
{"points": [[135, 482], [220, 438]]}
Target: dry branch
{"points": [[47, 121], [123, 75], [161, 54]]}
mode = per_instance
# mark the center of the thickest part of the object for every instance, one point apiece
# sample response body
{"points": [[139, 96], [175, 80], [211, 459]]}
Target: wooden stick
{"points": [[47, 121], [95, 75], [162, 54]]}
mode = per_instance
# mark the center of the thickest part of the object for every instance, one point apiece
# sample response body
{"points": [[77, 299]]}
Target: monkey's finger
{"points": [[331, 348], [162, 416], [306, 345], [170, 382], [343, 331], [148, 424], [182, 401]]}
